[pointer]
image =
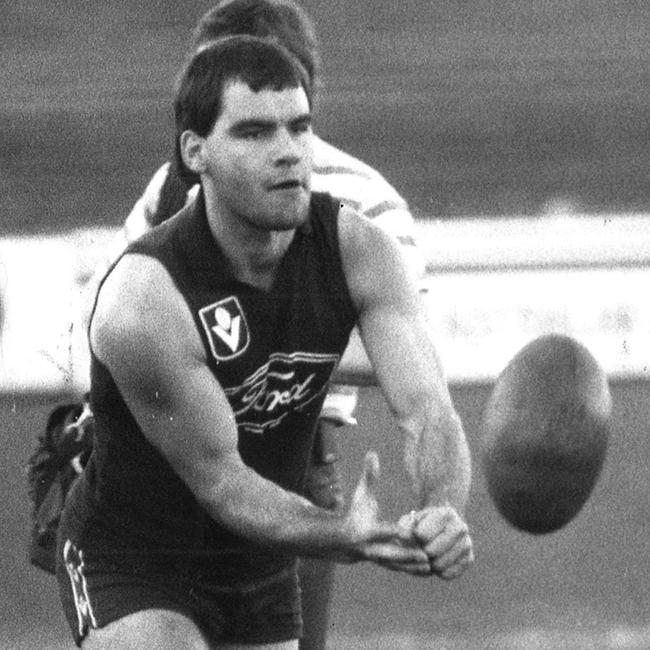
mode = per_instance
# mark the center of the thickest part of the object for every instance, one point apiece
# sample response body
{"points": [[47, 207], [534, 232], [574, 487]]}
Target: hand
{"points": [[73, 440], [323, 479], [445, 538], [383, 543]]}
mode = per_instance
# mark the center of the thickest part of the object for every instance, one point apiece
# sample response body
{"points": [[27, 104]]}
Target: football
{"points": [[544, 433]]}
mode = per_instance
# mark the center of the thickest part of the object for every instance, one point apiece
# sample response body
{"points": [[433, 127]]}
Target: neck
{"points": [[254, 253]]}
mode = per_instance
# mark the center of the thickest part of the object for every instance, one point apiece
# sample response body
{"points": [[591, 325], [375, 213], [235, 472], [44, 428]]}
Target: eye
{"points": [[253, 133], [303, 126], [252, 130]]}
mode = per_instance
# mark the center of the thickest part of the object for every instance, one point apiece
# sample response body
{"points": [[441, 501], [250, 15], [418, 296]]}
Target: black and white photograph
{"points": [[324, 325]]}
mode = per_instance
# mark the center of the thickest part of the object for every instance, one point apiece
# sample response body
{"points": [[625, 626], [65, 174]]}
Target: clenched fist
{"points": [[443, 535]]}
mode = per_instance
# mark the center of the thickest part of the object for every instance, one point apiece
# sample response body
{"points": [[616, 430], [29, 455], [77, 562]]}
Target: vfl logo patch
{"points": [[225, 324], [288, 382]]}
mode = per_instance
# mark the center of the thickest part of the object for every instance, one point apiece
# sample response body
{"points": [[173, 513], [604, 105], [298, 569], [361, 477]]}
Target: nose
{"points": [[289, 149]]}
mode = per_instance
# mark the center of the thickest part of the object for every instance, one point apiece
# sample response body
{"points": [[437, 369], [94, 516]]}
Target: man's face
{"points": [[259, 156]]}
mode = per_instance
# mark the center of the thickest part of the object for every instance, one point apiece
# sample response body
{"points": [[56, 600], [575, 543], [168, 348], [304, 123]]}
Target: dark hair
{"points": [[282, 21], [258, 63]]}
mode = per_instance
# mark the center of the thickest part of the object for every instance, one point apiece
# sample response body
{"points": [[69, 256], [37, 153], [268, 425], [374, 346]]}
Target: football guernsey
{"points": [[273, 352]]}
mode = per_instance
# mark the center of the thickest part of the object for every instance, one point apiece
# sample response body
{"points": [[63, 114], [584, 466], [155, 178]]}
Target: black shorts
{"points": [[95, 593]]}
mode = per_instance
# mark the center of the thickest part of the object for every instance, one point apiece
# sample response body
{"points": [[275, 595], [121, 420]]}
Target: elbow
{"points": [[215, 487]]}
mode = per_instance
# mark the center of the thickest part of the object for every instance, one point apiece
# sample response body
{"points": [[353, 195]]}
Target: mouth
{"points": [[292, 184]]}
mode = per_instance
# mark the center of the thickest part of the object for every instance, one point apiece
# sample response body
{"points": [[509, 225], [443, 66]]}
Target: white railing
{"points": [[492, 286]]}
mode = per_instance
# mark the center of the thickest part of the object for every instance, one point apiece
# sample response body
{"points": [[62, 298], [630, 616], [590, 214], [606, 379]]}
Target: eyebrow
{"points": [[243, 125]]}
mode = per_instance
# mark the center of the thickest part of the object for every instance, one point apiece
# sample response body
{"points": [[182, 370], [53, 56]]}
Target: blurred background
{"points": [[478, 107], [518, 133]]}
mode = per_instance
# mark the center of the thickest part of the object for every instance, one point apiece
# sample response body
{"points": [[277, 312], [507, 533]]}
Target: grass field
{"points": [[614, 639], [584, 587]]}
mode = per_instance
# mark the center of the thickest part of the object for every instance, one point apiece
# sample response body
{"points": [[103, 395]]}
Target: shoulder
{"points": [[364, 245], [136, 284], [350, 174], [361, 236], [159, 177], [137, 308], [147, 204], [330, 159], [373, 261]]}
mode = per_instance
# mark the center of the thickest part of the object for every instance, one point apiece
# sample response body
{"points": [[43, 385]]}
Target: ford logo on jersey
{"points": [[225, 324], [287, 382]]}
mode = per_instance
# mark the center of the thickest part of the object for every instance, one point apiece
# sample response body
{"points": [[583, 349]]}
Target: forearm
{"points": [[437, 457], [263, 512]]}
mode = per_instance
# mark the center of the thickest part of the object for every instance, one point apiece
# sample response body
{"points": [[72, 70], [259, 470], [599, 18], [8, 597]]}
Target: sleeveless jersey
{"points": [[272, 352]]}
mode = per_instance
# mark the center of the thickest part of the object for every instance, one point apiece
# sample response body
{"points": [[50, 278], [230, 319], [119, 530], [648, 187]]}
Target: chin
{"points": [[282, 212], [291, 214], [289, 222]]}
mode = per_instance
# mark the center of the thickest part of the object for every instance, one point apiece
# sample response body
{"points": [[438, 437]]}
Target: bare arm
{"points": [[396, 336], [143, 332], [397, 339]]}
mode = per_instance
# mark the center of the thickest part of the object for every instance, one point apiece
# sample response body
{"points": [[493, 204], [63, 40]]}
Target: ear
{"points": [[191, 146]]}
